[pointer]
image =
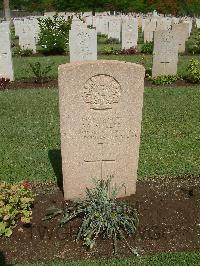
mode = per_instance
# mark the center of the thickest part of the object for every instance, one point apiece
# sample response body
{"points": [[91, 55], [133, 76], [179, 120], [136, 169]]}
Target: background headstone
{"points": [[114, 28], [181, 30], [149, 29], [6, 64], [165, 54], [82, 44], [129, 33]]}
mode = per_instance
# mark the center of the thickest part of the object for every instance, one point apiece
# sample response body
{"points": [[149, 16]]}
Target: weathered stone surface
{"points": [[165, 54], [181, 30], [149, 29], [83, 44], [114, 29], [6, 65], [129, 33], [100, 114]]}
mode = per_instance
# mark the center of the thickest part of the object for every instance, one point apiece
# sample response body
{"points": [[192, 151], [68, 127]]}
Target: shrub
{"points": [[147, 48], [102, 215], [148, 73], [110, 51], [15, 203], [3, 83], [23, 52], [112, 41], [193, 44], [193, 71], [165, 79], [40, 72], [129, 51], [54, 34]]}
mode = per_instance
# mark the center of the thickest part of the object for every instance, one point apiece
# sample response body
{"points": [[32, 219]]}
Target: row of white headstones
{"points": [[169, 35]]}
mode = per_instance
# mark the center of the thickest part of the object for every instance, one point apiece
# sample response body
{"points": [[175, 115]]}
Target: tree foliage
{"points": [[175, 7]]}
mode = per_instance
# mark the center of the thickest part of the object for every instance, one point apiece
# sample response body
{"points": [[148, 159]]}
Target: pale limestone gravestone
{"points": [[18, 24], [6, 64], [87, 14], [102, 25], [163, 24], [100, 115], [165, 54], [145, 21], [149, 29], [27, 38], [83, 44], [77, 24], [198, 23], [129, 33], [188, 21], [114, 28], [89, 20], [140, 21], [181, 30], [61, 14], [49, 14]]}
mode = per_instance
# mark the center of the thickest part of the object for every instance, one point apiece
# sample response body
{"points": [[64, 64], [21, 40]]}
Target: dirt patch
{"points": [[29, 84], [169, 214]]}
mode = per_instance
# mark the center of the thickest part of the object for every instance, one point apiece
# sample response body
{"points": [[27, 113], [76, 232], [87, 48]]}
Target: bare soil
{"points": [[30, 84], [169, 221]]}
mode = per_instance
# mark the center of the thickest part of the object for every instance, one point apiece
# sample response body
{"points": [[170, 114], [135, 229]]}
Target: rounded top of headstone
{"points": [[111, 63]]}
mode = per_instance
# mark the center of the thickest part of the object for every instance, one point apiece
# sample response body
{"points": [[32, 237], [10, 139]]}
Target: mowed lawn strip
{"points": [[23, 71], [29, 133], [168, 259]]}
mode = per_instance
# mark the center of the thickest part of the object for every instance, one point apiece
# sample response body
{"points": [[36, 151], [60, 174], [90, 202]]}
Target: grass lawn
{"points": [[168, 259], [30, 133], [23, 71], [170, 140]]}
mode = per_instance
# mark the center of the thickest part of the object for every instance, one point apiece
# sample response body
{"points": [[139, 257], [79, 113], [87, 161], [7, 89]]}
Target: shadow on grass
{"points": [[3, 260], [56, 162]]}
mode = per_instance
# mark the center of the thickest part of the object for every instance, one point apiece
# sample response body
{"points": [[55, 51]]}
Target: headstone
{"points": [[89, 20], [83, 44], [163, 24], [198, 23], [77, 24], [114, 28], [49, 14], [102, 25], [140, 20], [100, 114], [149, 29], [27, 38], [129, 33], [189, 21], [165, 54], [6, 65], [182, 32]]}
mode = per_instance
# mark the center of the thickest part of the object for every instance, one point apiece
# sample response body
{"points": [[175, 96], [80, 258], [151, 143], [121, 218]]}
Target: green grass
{"points": [[170, 132], [167, 259], [30, 130], [23, 71]]}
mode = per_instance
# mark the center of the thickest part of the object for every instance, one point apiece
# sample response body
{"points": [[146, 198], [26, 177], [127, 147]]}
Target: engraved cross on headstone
{"points": [[165, 63], [101, 160], [102, 164]]}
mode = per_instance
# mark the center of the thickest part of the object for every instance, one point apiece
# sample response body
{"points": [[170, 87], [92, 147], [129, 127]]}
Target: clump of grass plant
{"points": [[102, 215]]}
